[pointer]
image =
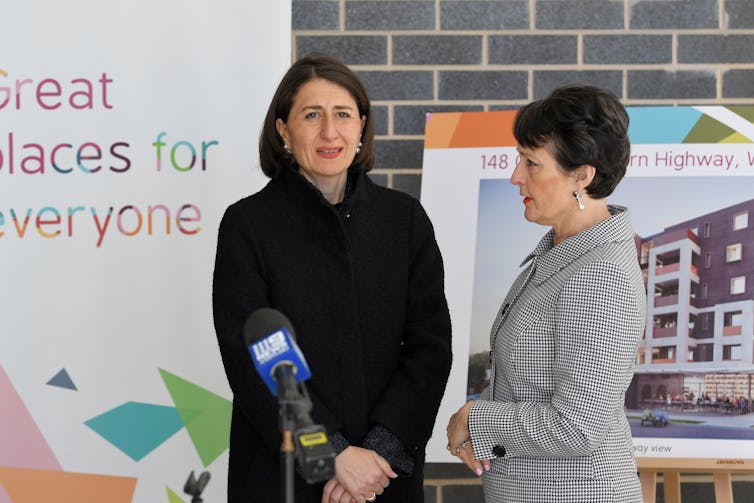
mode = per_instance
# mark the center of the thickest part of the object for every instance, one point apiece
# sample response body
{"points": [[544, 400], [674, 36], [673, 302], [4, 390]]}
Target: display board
{"points": [[689, 190], [125, 130]]}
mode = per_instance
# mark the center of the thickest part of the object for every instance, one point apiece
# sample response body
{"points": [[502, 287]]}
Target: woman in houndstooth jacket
{"points": [[551, 425]]}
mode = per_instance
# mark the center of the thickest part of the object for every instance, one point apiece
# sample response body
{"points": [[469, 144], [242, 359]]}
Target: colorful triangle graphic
{"points": [[173, 497], [745, 111], [210, 428], [4, 498], [469, 129], [136, 429], [62, 380], [651, 125], [735, 138], [24, 485], [21, 442], [708, 130]]}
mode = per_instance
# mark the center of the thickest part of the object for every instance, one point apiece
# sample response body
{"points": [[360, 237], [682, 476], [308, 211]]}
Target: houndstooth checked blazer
{"points": [[564, 346]]}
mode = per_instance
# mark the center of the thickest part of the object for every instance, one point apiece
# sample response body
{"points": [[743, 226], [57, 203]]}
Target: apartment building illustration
{"points": [[700, 308]]}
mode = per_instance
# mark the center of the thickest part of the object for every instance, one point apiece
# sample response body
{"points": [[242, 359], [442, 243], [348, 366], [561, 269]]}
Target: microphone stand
{"points": [[287, 458], [287, 405], [294, 406]]}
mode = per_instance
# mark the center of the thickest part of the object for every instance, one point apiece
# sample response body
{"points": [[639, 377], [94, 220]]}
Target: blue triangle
{"points": [[136, 429], [62, 380]]}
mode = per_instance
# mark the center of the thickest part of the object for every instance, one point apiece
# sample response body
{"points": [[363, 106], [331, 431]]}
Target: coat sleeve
{"points": [[238, 289], [409, 403], [599, 321]]}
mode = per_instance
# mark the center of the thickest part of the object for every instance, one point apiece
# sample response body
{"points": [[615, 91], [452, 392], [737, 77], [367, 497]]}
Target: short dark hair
{"points": [[272, 155], [579, 124]]}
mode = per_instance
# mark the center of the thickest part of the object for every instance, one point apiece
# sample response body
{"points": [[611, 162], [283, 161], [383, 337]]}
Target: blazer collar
{"points": [[548, 259]]}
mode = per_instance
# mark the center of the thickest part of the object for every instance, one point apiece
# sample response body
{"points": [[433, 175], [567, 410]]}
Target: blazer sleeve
{"points": [[409, 403], [599, 321]]}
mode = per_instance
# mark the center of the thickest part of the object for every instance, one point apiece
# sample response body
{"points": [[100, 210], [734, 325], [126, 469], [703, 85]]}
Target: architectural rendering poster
{"points": [[126, 128], [689, 190]]}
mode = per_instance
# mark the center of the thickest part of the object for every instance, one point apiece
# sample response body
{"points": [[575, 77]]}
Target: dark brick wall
{"points": [[417, 56]]}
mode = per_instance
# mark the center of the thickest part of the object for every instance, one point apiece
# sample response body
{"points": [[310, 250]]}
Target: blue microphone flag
{"points": [[278, 348]]}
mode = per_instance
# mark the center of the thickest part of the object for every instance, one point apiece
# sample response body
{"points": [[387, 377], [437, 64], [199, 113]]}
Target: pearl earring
{"points": [[287, 149], [577, 195], [358, 149]]}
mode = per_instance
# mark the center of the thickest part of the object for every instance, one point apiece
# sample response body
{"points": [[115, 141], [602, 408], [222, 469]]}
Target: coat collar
{"points": [[357, 186], [549, 259]]}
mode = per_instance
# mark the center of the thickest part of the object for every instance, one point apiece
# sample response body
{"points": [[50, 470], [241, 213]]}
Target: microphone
{"points": [[194, 486], [271, 342]]}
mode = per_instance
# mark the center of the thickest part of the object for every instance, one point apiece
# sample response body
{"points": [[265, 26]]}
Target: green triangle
{"points": [[205, 414], [745, 111], [708, 130], [172, 497]]}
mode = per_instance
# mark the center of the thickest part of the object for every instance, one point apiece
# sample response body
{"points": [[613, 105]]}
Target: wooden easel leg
{"points": [[648, 486], [723, 487], [672, 482]]}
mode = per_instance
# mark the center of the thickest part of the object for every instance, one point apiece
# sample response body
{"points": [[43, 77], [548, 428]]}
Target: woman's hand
{"points": [[335, 493], [361, 473], [459, 440]]}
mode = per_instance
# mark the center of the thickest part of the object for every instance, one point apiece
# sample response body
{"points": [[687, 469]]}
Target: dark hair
{"points": [[579, 124], [272, 156]]}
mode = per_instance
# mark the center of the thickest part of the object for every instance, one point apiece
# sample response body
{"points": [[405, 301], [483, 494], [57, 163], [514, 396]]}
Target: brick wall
{"points": [[417, 56]]}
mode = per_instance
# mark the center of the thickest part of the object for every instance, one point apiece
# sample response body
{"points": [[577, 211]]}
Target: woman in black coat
{"points": [[356, 269]]}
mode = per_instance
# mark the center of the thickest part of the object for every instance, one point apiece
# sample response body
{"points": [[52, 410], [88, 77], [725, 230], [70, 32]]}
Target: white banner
{"points": [[125, 130]]}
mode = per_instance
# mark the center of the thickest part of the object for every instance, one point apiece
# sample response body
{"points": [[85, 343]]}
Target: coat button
{"points": [[499, 451]]}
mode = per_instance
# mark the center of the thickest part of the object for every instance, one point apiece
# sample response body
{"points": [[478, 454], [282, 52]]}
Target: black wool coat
{"points": [[363, 286]]}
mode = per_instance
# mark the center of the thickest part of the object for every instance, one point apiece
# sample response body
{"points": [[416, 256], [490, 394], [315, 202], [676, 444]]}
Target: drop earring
{"points": [[358, 149], [577, 195], [287, 149]]}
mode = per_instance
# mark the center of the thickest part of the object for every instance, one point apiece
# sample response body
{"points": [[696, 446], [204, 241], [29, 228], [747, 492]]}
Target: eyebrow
{"points": [[320, 107], [528, 155]]}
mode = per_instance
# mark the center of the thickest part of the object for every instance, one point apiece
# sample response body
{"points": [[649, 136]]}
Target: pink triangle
{"points": [[4, 498], [22, 445]]}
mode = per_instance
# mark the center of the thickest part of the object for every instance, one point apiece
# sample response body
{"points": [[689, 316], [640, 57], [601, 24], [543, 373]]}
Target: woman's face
{"points": [[546, 188], [323, 129]]}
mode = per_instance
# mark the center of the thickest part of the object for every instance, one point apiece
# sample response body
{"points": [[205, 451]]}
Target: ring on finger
{"points": [[372, 497], [463, 445]]}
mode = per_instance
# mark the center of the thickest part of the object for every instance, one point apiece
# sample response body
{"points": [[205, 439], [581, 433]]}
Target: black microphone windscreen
{"points": [[263, 322], [202, 481]]}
